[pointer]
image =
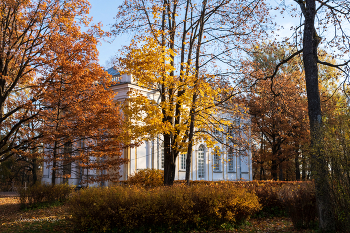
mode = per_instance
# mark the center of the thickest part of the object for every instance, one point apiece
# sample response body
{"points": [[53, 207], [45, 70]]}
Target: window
{"points": [[217, 159], [238, 122], [231, 161], [230, 130], [216, 131], [162, 157], [244, 161], [183, 157], [200, 163]]}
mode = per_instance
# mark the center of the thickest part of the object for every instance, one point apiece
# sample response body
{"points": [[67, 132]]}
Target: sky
{"points": [[105, 10]]}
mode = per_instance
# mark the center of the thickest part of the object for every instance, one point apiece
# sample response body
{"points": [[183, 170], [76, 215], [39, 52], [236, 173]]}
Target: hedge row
{"points": [[142, 203], [172, 208], [44, 193], [277, 198]]}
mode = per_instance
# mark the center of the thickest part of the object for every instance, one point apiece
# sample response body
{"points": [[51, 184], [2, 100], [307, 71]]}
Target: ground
{"points": [[49, 219], [56, 219]]}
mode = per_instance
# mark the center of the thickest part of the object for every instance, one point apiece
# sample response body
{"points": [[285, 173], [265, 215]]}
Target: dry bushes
{"points": [[296, 199], [300, 201], [171, 208], [147, 177], [279, 198], [44, 193]]}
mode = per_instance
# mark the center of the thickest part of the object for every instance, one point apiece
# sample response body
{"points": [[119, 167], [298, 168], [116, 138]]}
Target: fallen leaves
{"points": [[13, 219]]}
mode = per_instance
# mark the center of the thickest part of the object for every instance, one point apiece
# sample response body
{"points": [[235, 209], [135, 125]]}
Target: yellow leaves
{"points": [[182, 203], [148, 178], [153, 67]]}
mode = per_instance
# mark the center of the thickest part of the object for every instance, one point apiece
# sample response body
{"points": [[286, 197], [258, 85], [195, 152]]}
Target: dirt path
{"points": [[8, 194]]}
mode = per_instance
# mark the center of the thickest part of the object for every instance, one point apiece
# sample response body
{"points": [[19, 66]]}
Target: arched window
{"points": [[183, 157], [217, 159], [231, 160], [201, 163], [162, 157]]}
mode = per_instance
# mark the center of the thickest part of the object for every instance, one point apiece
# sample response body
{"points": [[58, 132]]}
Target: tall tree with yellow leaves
{"points": [[205, 36]]}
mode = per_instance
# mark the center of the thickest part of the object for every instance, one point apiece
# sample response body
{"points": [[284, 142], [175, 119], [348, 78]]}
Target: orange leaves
{"points": [[279, 107], [180, 207], [53, 64], [41, 40], [147, 178]]}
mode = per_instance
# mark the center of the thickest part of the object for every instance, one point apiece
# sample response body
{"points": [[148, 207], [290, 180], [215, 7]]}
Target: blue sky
{"points": [[104, 10]]}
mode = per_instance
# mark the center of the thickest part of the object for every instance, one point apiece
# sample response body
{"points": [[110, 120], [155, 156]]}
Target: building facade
{"points": [[211, 164]]}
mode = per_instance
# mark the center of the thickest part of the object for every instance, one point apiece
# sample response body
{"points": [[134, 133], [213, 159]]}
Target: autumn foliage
{"points": [[38, 39], [177, 53], [279, 114], [55, 103], [135, 208], [147, 178], [43, 193], [300, 202]]}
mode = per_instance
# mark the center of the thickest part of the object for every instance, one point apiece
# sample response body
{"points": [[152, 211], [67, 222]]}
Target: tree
{"points": [[336, 133], [82, 125], [205, 36], [278, 111], [278, 107], [330, 17], [52, 91], [32, 34]]}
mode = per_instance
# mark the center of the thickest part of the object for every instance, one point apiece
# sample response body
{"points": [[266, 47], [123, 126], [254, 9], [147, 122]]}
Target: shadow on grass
{"points": [[37, 225]]}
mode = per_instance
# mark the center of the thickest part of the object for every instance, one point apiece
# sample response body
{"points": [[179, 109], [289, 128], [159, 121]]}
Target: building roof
{"points": [[113, 72]]}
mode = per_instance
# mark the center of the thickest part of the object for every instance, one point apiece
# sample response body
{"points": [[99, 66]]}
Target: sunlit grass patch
{"points": [[47, 224], [48, 218]]}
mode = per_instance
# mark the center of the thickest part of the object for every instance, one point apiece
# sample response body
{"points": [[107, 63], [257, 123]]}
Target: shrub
{"points": [[268, 194], [177, 208], [44, 193], [147, 177], [300, 201], [341, 199]]}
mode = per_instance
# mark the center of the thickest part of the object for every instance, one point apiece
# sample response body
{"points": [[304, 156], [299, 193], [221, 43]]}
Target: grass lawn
{"points": [[56, 219]]}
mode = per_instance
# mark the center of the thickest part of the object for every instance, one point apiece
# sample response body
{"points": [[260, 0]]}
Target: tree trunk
{"points": [[54, 164], [194, 97], [2, 100], [297, 164], [280, 175], [190, 139], [262, 171], [318, 164], [274, 169], [35, 168], [169, 162]]}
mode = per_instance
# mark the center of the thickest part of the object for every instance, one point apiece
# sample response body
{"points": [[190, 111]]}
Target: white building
{"points": [[206, 164]]}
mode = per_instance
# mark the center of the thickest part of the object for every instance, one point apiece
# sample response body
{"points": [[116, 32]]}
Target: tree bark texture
{"points": [[169, 162], [318, 164], [297, 166]]}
